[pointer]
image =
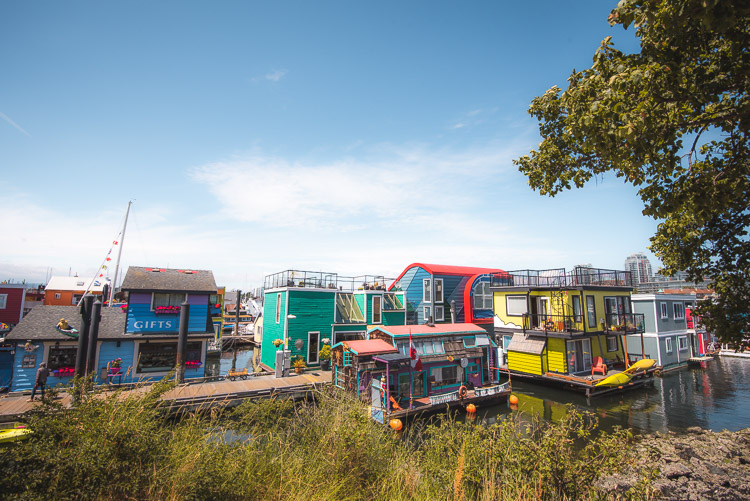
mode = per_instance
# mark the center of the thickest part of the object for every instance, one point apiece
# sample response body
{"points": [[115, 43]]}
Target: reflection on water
{"points": [[715, 398], [219, 365]]}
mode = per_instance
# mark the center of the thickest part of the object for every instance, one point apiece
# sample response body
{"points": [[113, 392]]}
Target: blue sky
{"points": [[253, 137]]}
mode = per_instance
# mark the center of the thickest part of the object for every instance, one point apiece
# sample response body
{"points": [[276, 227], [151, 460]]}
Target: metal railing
{"points": [[325, 280], [625, 323], [553, 323], [559, 278]]}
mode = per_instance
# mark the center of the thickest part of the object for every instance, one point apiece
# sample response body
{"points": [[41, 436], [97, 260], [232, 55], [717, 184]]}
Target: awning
{"points": [[392, 358], [527, 344], [483, 340]]}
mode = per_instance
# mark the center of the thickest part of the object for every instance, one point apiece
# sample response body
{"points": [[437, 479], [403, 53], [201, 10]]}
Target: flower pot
{"points": [[325, 365], [114, 370], [298, 370]]}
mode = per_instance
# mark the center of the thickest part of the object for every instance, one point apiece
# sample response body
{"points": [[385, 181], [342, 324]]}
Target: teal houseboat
{"points": [[302, 309]]}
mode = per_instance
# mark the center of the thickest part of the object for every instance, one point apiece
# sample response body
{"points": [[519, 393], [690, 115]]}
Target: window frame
{"points": [[170, 294], [668, 345], [278, 307], [482, 291], [310, 345], [591, 301], [427, 312], [680, 341], [678, 309], [439, 289], [663, 310], [427, 290], [577, 317], [617, 347], [525, 302], [3, 301], [377, 310], [439, 313]]}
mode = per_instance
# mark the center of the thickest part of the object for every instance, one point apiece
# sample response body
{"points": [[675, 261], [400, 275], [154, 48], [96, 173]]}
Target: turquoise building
{"points": [[303, 308]]}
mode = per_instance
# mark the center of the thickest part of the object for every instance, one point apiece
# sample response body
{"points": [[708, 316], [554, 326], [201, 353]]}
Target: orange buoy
{"points": [[513, 400], [471, 408], [396, 424], [514, 407]]}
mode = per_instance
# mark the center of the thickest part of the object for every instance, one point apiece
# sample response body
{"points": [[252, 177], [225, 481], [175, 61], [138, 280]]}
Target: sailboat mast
{"points": [[119, 253]]}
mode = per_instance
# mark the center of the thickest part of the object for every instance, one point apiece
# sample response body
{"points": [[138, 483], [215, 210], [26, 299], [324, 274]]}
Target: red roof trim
{"points": [[442, 269]]}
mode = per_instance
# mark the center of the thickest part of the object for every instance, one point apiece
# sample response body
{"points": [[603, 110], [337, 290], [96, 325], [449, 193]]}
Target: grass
{"points": [[115, 446]]}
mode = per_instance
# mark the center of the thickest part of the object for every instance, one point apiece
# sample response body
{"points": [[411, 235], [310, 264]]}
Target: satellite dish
{"points": [[464, 362]]}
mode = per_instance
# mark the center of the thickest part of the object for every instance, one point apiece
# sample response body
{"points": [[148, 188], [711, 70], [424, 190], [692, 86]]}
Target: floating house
{"points": [[448, 294], [68, 291], [566, 327], [667, 337], [456, 364], [302, 308], [12, 305], [141, 334]]}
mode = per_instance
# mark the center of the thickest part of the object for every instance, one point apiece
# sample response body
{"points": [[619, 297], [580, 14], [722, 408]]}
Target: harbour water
{"points": [[716, 397]]}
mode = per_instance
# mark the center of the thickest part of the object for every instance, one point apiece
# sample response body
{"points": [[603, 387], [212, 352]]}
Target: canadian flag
{"points": [[416, 363]]}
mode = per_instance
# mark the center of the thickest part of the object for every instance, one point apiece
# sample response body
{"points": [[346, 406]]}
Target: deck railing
{"points": [[553, 323], [559, 278], [444, 398], [325, 280], [625, 323]]}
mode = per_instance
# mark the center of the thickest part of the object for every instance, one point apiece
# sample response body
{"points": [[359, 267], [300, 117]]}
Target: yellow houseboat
{"points": [[568, 328]]}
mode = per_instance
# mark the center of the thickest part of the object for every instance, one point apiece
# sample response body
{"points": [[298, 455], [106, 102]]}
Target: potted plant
{"points": [[114, 366], [277, 342], [299, 365], [325, 357]]}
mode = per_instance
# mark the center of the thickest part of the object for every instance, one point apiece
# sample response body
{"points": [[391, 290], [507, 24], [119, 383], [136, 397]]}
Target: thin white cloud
{"points": [[14, 124], [275, 76]]}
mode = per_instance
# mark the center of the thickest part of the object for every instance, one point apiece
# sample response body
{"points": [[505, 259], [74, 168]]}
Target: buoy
{"points": [[514, 407], [396, 424], [513, 400], [471, 408]]}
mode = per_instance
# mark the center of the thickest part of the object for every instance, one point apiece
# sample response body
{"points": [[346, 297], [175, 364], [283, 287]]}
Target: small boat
{"points": [[641, 365], [615, 379], [10, 432]]}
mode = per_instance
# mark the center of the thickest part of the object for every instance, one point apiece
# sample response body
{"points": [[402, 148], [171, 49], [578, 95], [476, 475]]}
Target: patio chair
{"points": [[599, 366]]}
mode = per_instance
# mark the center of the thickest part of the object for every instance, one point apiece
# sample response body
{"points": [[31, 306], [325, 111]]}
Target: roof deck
{"points": [[325, 280], [558, 278]]}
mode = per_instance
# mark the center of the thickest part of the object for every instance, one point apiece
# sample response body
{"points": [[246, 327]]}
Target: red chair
{"points": [[599, 366]]}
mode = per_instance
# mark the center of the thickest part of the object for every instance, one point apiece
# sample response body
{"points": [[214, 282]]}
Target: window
{"points": [[470, 341], [591, 311], [377, 304], [3, 301], [577, 316], [57, 295], [278, 307], [76, 298], [62, 357], [167, 299], [162, 357], [426, 290], [427, 348], [611, 343], [437, 347], [28, 362], [427, 313], [438, 290], [664, 312], [679, 311], [682, 343], [668, 342], [439, 313], [483, 296], [446, 376], [313, 339], [403, 347], [516, 305]]}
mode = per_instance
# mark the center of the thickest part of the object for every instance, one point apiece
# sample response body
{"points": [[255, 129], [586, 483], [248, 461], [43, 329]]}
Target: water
{"points": [[714, 398], [219, 365]]}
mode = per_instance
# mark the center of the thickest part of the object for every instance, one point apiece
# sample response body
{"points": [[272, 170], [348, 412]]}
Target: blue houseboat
{"points": [[448, 294], [140, 338]]}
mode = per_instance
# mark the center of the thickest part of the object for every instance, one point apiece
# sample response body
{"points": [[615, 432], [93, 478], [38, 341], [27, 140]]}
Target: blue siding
{"points": [[142, 320], [453, 290], [23, 379], [109, 351], [411, 283]]}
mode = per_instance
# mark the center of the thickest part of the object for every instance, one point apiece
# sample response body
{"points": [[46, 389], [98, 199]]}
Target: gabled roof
{"points": [[41, 323], [75, 284], [369, 346], [169, 280], [426, 330]]}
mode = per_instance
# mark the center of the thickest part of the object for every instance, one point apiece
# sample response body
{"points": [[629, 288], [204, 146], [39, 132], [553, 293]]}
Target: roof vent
{"points": [[79, 284], [155, 270]]}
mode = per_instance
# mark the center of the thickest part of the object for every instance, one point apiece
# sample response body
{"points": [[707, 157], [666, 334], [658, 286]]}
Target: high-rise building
{"points": [[639, 267]]}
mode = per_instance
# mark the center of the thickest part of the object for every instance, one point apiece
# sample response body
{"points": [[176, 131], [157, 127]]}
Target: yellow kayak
{"points": [[641, 365], [615, 380], [18, 432]]}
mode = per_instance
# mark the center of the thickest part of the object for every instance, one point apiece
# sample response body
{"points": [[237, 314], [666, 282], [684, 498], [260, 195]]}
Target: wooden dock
{"points": [[188, 397]]}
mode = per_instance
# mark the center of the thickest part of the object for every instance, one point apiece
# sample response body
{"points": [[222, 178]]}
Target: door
{"points": [[313, 340], [610, 308], [579, 355], [418, 378]]}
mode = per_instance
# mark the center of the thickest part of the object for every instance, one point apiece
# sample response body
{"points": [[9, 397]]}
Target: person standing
{"points": [[40, 381]]}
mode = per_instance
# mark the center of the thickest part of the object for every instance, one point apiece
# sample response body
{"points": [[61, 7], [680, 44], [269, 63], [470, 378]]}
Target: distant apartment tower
{"points": [[639, 267]]}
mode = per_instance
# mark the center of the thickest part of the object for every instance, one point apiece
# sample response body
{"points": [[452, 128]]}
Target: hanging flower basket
{"points": [[167, 310]]}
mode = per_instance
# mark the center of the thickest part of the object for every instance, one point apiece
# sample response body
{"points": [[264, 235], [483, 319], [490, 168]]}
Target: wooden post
{"points": [[182, 342], [625, 349], [96, 317]]}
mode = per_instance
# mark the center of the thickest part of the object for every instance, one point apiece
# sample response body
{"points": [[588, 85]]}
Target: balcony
{"points": [[569, 324], [625, 323], [558, 278], [324, 280]]}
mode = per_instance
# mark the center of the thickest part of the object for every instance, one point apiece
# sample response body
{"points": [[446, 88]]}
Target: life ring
{"points": [[462, 391]]}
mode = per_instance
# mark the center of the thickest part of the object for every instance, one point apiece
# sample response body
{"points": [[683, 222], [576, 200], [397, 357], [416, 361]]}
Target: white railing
{"points": [[444, 398], [491, 390]]}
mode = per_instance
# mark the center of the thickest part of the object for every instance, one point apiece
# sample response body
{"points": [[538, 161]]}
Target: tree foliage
{"points": [[672, 120]]}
